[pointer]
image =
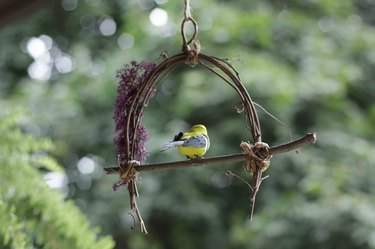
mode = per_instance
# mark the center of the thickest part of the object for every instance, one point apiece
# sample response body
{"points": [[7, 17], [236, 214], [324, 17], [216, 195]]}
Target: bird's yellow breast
{"points": [[192, 152]]}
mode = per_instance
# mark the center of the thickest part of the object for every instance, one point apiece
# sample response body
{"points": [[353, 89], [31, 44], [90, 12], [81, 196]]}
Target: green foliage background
{"points": [[309, 63], [33, 215]]}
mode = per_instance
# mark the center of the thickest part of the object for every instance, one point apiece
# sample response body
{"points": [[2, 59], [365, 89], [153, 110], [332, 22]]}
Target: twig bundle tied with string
{"points": [[138, 83]]}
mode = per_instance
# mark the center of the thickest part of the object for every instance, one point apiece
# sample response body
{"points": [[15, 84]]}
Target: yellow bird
{"points": [[194, 143]]}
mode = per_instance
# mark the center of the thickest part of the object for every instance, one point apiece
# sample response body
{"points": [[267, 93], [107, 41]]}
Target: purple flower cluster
{"points": [[117, 185], [130, 77]]}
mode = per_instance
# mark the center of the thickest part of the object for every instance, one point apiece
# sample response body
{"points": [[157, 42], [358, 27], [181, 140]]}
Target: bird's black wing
{"points": [[178, 136]]}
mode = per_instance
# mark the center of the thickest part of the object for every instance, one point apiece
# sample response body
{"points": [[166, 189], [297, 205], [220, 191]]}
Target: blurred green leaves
{"points": [[33, 215]]}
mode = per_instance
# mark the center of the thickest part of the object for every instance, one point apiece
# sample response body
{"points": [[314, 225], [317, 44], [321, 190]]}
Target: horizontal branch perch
{"points": [[309, 138]]}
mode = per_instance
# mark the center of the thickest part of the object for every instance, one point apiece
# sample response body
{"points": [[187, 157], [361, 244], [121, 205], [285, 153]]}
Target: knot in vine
{"points": [[259, 156], [128, 171], [193, 54]]}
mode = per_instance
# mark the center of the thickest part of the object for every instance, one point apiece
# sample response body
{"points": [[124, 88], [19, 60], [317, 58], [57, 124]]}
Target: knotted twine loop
{"points": [[128, 171], [192, 53], [259, 156]]}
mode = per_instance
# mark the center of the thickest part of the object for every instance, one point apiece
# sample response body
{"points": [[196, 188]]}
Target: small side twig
{"points": [[257, 180], [309, 138], [230, 173]]}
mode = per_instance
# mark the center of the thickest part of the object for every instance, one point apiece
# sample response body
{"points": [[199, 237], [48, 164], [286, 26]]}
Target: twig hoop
{"points": [[220, 67]]}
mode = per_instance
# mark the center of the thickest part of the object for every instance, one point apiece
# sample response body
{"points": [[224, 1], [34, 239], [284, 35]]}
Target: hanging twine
{"points": [[192, 53], [187, 10], [259, 156]]}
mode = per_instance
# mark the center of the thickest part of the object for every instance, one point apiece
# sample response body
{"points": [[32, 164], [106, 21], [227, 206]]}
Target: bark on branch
{"points": [[309, 138]]}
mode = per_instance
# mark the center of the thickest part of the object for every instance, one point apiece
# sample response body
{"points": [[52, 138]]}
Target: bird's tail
{"points": [[171, 145]]}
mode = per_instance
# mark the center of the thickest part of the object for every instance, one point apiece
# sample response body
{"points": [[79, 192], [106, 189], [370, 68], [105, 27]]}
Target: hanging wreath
{"points": [[138, 83]]}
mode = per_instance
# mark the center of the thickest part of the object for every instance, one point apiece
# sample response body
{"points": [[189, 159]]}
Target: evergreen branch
{"points": [[309, 138]]}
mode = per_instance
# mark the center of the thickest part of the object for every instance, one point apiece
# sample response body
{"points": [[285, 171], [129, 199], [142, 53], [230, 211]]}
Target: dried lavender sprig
{"points": [[131, 77]]}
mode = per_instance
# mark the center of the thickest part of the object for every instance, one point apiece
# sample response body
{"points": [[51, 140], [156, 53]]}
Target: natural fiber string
{"points": [[258, 154], [129, 173], [187, 10], [192, 53]]}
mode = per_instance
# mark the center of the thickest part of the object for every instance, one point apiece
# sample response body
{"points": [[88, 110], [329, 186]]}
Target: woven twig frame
{"points": [[220, 67], [257, 156]]}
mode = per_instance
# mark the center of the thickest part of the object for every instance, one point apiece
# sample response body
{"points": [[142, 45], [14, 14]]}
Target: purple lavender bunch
{"points": [[131, 77]]}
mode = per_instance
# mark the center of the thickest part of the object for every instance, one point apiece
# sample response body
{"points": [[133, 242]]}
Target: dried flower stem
{"points": [[309, 138]]}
